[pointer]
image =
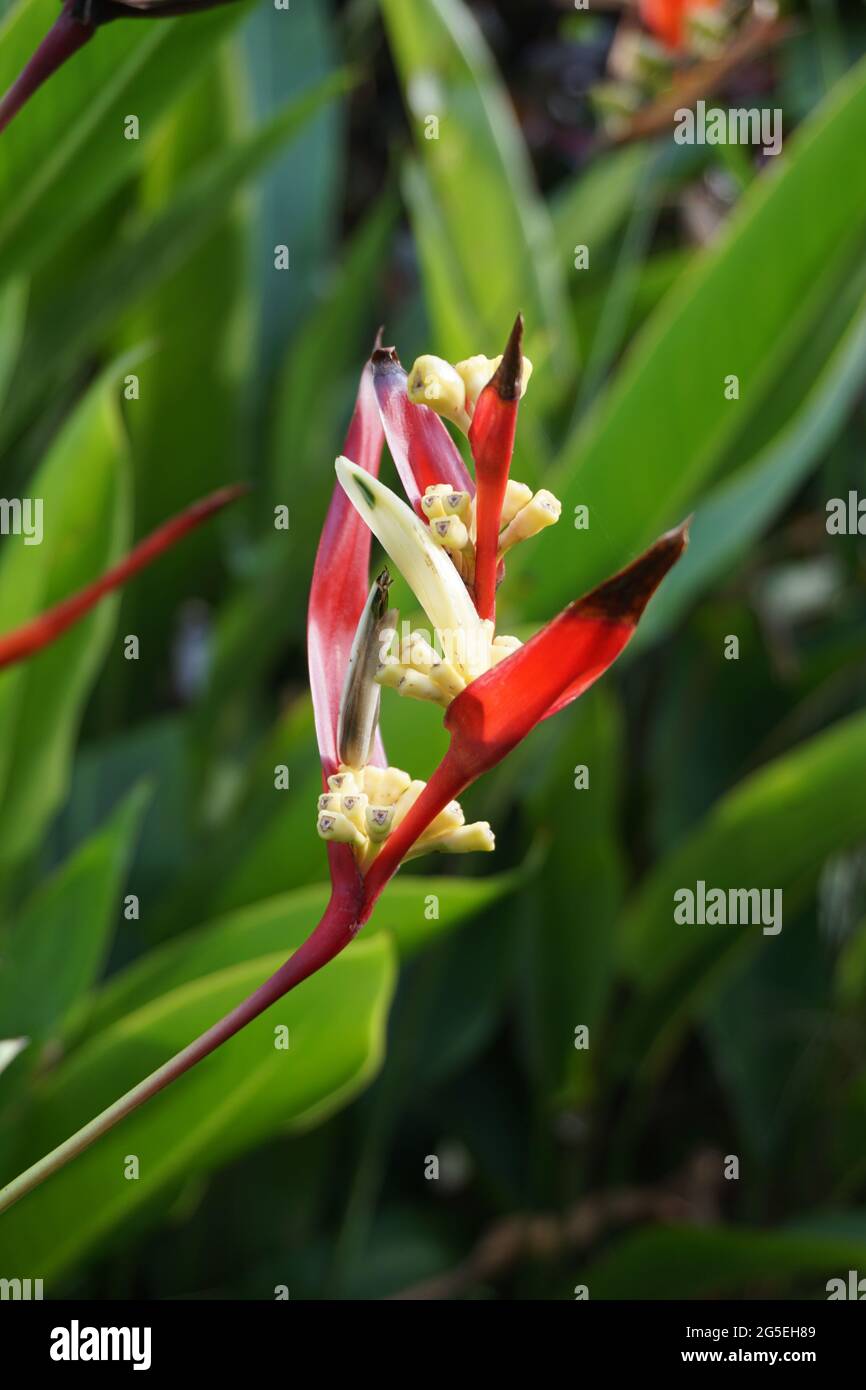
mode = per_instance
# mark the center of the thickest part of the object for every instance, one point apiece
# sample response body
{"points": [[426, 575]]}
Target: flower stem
{"points": [[333, 933], [64, 38], [448, 781]]}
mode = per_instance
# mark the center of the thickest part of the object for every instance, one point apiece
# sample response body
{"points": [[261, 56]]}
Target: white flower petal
{"points": [[431, 575]]}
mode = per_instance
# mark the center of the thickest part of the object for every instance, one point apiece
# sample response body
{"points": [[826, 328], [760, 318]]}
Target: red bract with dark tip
{"points": [[497, 711], [422, 449], [491, 438]]}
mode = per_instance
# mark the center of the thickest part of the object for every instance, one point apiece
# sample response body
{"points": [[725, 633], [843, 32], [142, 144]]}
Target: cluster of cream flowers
{"points": [[364, 805]]}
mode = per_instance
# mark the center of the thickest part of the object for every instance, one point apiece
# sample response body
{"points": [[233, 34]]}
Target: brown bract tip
{"points": [[510, 370], [624, 597], [384, 360]]}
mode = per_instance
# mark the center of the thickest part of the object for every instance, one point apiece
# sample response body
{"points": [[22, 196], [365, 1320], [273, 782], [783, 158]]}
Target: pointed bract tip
{"points": [[509, 373], [377, 345], [624, 597], [384, 359], [230, 493], [382, 583]]}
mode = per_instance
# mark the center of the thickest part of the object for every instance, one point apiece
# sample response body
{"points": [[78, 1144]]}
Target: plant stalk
{"points": [[64, 38], [334, 932]]}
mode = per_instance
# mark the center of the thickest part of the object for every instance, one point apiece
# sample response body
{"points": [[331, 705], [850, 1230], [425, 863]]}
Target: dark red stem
{"points": [[451, 777], [64, 38]]}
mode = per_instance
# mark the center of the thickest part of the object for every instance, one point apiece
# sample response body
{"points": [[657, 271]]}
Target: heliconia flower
{"points": [[494, 689], [76, 24]]}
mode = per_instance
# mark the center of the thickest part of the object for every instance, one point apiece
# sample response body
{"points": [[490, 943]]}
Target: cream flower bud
{"points": [[353, 807], [516, 496], [448, 819], [476, 372], [434, 382], [378, 821], [343, 781], [449, 532], [390, 674], [503, 647], [431, 505], [422, 656], [456, 504], [333, 825], [407, 801], [543, 510], [467, 838], [385, 785], [420, 687]]}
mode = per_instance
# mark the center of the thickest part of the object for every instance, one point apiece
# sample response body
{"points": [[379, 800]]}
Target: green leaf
{"points": [[659, 432], [497, 226], [9, 1050], [246, 1091], [778, 824], [734, 514], [83, 486], [319, 378], [571, 907], [161, 243], [687, 1262], [282, 923], [767, 1031], [189, 415], [13, 302], [58, 942], [66, 152], [590, 209], [772, 831], [286, 55]]}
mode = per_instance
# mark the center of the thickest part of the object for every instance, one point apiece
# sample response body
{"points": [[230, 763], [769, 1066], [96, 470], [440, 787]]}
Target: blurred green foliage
{"points": [[150, 872]]}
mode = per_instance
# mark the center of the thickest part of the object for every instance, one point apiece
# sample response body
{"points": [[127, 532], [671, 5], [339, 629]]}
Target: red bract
{"points": [[422, 449], [491, 438], [497, 711], [26, 641], [340, 575]]}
